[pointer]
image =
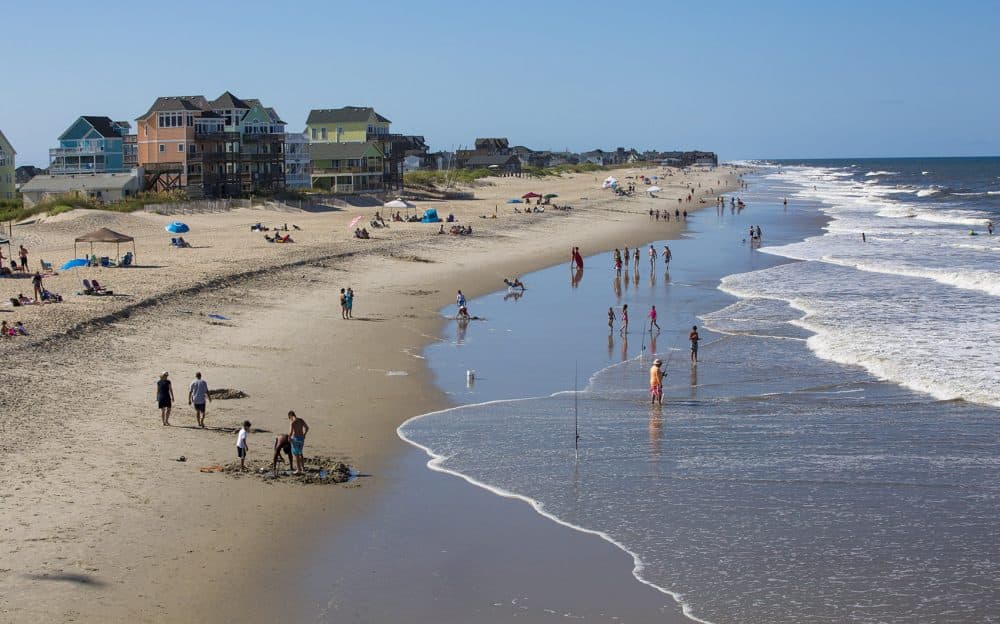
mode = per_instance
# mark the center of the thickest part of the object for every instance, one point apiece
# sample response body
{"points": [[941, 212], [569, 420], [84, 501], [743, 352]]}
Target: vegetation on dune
{"points": [[443, 179], [15, 210]]}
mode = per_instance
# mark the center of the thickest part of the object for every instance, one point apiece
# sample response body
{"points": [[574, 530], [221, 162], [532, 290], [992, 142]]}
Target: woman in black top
{"points": [[164, 397]]}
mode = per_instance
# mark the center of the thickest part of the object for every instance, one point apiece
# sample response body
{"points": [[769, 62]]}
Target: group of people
{"points": [[654, 215], [361, 233], [22, 253], [658, 371], [621, 260], [755, 234], [9, 331], [347, 303], [291, 444]]}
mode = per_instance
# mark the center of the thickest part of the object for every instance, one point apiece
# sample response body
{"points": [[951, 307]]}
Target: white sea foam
{"points": [[881, 173], [929, 192], [914, 305]]}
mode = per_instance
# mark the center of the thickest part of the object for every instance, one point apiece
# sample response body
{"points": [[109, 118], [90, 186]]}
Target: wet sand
{"points": [[96, 504]]}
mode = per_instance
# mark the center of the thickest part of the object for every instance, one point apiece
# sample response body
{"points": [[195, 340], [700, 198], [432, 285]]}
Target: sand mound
{"points": [[319, 470], [227, 393]]}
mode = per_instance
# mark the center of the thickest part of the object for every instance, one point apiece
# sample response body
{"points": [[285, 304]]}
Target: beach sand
{"points": [[101, 522]]}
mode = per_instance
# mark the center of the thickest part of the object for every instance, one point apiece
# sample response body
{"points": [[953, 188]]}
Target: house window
{"points": [[323, 133], [180, 147], [314, 134], [163, 147]]}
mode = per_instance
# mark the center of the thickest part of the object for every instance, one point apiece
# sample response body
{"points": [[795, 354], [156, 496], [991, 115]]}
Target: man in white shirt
{"points": [[197, 395]]}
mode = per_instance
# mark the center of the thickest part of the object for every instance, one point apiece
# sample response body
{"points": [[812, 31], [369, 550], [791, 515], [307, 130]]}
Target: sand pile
{"points": [[319, 470]]}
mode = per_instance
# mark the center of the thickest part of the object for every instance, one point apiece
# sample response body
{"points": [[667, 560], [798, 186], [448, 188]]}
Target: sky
{"points": [[796, 79]]}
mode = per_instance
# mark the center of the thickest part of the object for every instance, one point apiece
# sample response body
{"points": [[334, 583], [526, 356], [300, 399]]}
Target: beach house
{"points": [[297, 165], [350, 150], [92, 144], [7, 168], [225, 147]]}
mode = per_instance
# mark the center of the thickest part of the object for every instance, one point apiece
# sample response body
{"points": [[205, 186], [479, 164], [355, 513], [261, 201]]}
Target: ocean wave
{"points": [[930, 192], [881, 173]]}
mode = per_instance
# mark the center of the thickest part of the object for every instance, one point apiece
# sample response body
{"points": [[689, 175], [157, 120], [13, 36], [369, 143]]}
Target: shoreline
{"points": [[256, 306]]}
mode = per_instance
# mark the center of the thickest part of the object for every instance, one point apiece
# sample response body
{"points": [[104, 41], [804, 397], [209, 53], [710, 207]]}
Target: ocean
{"points": [[834, 455]]}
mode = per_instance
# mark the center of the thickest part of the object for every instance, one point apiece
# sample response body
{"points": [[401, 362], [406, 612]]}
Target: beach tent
{"points": [[431, 216], [6, 241], [104, 235], [398, 204], [609, 182], [653, 189], [530, 195]]}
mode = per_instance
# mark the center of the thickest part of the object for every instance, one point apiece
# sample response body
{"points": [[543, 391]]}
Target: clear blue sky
{"points": [[747, 79]]}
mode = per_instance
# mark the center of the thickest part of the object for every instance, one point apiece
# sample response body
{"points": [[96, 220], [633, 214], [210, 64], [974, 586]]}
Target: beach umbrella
{"points": [[177, 228], [550, 195], [514, 201], [530, 195], [75, 262], [354, 222], [653, 189], [398, 204]]}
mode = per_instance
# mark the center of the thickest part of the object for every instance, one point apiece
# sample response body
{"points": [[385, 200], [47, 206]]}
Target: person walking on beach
{"points": [[694, 338], [656, 376], [623, 328], [652, 319], [241, 444], [635, 258], [667, 256], [343, 303], [197, 395], [652, 257], [460, 300], [628, 256], [23, 252], [349, 302], [297, 431], [164, 397], [577, 258], [611, 319]]}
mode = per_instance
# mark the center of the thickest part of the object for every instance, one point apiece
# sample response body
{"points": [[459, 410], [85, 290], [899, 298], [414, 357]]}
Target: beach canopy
{"points": [[104, 235], [653, 189], [430, 216], [550, 195], [177, 228], [398, 204], [609, 182], [530, 195], [75, 262]]}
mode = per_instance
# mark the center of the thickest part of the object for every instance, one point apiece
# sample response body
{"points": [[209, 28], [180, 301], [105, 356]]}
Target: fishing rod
{"points": [[576, 413]]}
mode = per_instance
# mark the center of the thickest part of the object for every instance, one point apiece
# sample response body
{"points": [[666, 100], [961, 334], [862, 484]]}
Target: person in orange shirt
{"points": [[656, 382]]}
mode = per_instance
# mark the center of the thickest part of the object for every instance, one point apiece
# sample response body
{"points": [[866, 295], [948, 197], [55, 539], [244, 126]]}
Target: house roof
{"points": [[4, 140], [176, 103], [340, 151], [103, 125], [77, 182], [275, 117], [345, 114], [228, 101], [486, 161]]}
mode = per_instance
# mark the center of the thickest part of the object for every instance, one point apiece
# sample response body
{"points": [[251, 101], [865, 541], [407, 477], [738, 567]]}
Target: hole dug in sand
{"points": [[227, 393], [319, 470]]}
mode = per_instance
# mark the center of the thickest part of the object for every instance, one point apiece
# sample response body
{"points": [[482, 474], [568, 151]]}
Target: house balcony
{"points": [[346, 171], [210, 157], [249, 157], [63, 168], [219, 136], [264, 137]]}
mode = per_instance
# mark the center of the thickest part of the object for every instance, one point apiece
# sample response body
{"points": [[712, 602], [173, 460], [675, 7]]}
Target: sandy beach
{"points": [[103, 523]]}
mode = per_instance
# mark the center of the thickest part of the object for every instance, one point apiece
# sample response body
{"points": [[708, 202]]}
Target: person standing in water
{"points": [[623, 329], [611, 319], [656, 376], [667, 255], [652, 257], [694, 338]]}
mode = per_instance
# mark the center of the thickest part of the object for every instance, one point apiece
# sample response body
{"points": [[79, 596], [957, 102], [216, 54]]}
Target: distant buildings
{"points": [[101, 187], [92, 144], [7, 167], [219, 148], [297, 161], [490, 153]]}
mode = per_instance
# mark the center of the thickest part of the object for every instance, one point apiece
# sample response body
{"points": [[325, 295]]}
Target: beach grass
{"points": [[15, 210]]}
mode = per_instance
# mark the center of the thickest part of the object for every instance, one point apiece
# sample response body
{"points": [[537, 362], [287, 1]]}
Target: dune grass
{"points": [[15, 210]]}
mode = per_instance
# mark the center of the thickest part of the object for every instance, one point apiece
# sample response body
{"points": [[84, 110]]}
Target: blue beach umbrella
{"points": [[514, 201], [75, 262], [177, 227]]}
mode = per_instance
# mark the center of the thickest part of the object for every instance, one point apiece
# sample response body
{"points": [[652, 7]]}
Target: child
{"points": [[611, 319], [241, 444]]}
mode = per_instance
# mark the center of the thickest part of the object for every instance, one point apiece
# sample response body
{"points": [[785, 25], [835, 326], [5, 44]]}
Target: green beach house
{"points": [[350, 149], [7, 166]]}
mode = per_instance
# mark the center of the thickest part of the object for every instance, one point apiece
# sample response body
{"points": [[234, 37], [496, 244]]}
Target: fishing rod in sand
{"points": [[576, 413]]}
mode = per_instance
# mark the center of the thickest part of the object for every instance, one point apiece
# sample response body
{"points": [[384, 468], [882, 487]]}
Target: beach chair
{"points": [[47, 267], [88, 288], [105, 261], [127, 259], [100, 290]]}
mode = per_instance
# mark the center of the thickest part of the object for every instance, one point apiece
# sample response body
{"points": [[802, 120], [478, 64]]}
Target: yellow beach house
{"points": [[7, 166], [350, 149]]}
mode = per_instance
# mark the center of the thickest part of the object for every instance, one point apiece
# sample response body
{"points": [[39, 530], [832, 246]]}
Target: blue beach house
{"points": [[91, 145]]}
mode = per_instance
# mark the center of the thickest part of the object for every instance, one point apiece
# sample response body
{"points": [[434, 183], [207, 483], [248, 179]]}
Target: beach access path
{"points": [[102, 523]]}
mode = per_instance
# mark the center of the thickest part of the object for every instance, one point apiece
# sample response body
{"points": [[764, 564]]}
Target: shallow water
{"points": [[773, 486]]}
